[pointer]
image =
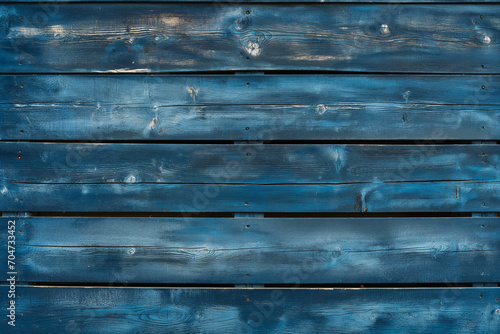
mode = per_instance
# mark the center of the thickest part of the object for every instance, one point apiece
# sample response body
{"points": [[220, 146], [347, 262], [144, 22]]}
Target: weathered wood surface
{"points": [[263, 107], [135, 310], [151, 37], [246, 163], [445, 196], [256, 250]]}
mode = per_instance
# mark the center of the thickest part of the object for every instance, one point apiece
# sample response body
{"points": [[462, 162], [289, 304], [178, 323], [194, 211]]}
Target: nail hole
{"points": [[20, 231], [247, 128], [22, 86], [482, 66], [248, 299], [20, 63], [248, 154], [22, 17], [482, 127], [483, 86], [21, 132], [248, 83], [241, 53], [247, 275], [496, 299], [483, 154], [248, 58], [246, 203], [480, 296], [248, 12], [247, 226], [481, 16], [19, 158], [482, 225], [483, 204], [19, 151]]}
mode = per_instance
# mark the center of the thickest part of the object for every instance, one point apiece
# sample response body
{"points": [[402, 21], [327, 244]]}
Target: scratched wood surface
{"points": [[136, 310], [173, 37], [111, 112], [442, 196], [258, 107], [245, 163], [257, 250]]}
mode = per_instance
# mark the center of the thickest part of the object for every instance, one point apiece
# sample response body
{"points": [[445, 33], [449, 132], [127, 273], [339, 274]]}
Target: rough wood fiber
{"points": [[135, 310], [138, 38], [257, 250], [259, 107]]}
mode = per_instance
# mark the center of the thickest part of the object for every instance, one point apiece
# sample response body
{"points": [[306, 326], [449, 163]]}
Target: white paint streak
{"points": [[3, 191], [321, 109], [57, 30], [127, 70], [170, 20], [406, 95], [154, 123], [253, 48], [384, 28], [193, 92], [131, 179], [320, 58]]}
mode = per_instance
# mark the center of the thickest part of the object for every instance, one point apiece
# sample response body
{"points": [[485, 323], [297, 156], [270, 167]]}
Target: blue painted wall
{"points": [[250, 167]]}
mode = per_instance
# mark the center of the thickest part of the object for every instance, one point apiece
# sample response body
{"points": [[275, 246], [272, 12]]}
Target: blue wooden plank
{"points": [[256, 250], [451, 196], [245, 163], [265, 107], [153, 310], [154, 37]]}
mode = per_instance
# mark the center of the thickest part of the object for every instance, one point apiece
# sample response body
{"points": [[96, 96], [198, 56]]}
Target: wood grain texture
{"points": [[451, 196], [138, 38], [245, 163], [257, 107], [256, 250], [133, 310]]}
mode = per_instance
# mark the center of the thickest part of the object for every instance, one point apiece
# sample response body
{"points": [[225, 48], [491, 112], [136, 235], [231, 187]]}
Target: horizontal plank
{"points": [[256, 107], [256, 250], [451, 196], [136, 310], [154, 37], [245, 164]]}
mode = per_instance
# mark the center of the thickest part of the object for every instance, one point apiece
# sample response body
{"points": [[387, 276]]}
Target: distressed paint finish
{"points": [[138, 38], [396, 72], [245, 163], [451, 196], [257, 250], [263, 107], [153, 310]]}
